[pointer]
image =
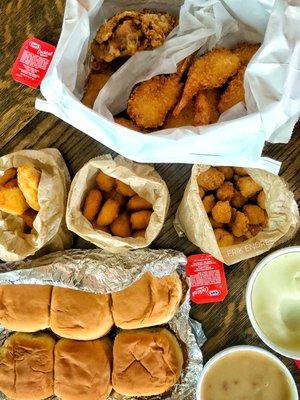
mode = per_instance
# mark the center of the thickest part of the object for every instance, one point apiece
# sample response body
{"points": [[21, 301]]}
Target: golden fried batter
{"points": [[140, 219], [130, 31], [128, 123], [211, 179], [227, 171], [221, 212], [238, 200], [240, 224], [206, 105], [108, 213], [255, 214], [209, 202], [137, 203], [105, 182], [12, 183], [208, 72], [245, 51], [12, 201], [261, 200], [214, 223], [28, 181], [247, 186], [223, 237], [185, 118], [115, 196], [225, 191], [234, 92], [95, 83]]}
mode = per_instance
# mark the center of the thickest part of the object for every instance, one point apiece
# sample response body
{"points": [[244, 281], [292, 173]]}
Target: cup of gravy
{"points": [[247, 373], [273, 301]]}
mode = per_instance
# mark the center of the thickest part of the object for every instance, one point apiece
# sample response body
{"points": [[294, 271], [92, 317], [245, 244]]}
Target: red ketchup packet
{"points": [[32, 62], [297, 362], [208, 281]]}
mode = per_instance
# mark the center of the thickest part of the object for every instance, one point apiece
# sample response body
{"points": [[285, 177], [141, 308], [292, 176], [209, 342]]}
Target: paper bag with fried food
{"points": [[117, 204], [242, 230], [33, 195]]}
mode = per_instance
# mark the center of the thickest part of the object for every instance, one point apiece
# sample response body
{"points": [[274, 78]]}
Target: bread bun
{"points": [[149, 301], [80, 315], [146, 362], [26, 366], [25, 308], [82, 370]]}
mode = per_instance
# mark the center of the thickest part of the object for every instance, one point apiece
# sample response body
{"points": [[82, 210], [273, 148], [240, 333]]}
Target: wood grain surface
{"points": [[21, 126]]}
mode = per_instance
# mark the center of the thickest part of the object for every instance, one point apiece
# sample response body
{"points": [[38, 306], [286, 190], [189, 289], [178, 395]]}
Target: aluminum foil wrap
{"points": [[101, 272]]}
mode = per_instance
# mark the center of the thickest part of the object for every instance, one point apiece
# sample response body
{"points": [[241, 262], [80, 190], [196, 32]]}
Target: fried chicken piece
{"points": [[209, 202], [28, 181], [140, 219], [138, 234], [254, 230], [12, 201], [238, 200], [121, 226], [225, 191], [234, 92], [108, 213], [247, 186], [185, 118], [94, 84], [215, 224], [239, 240], [92, 204], [240, 224], [8, 175], [223, 237], [124, 189], [240, 171], [105, 182], [227, 171], [209, 71], [128, 123], [245, 51], [261, 200], [211, 179], [206, 107], [130, 31], [137, 203], [201, 192], [221, 212], [255, 214]]}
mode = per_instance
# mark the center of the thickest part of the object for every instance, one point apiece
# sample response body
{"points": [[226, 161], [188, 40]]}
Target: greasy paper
{"points": [[100, 272], [283, 218], [143, 179], [271, 80], [49, 231]]}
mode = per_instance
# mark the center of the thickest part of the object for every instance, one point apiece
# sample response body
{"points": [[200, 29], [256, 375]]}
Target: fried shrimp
{"points": [[234, 92], [245, 51], [206, 107]]}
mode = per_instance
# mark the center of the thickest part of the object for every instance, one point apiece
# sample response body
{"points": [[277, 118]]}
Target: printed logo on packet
{"points": [[32, 62], [208, 280]]}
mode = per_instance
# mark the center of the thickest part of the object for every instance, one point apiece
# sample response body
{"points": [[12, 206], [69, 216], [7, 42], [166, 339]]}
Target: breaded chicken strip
{"points": [[95, 83], [206, 105], [234, 92], [245, 51], [208, 72]]}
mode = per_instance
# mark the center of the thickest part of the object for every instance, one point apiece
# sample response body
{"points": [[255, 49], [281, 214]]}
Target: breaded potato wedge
{"points": [[108, 213], [8, 175], [28, 181], [140, 219], [124, 189], [105, 182], [12, 201], [92, 204], [137, 203], [121, 226]]}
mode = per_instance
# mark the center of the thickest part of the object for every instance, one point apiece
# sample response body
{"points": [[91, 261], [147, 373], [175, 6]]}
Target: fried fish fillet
{"points": [[245, 51], [234, 92], [208, 72], [130, 31], [206, 107], [95, 83]]}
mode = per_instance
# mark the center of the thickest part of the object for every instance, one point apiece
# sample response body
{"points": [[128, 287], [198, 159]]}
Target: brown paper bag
{"points": [[142, 178], [49, 231], [283, 218]]}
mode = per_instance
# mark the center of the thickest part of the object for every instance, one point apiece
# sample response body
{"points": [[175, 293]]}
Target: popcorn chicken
{"points": [[225, 191], [240, 224], [247, 186], [227, 171], [255, 214], [221, 212], [28, 181], [137, 203], [138, 234], [105, 182], [108, 213], [215, 224], [254, 230], [201, 192], [124, 189], [209, 202], [261, 200], [238, 200], [239, 240], [29, 216], [140, 219], [121, 226], [92, 204], [240, 171], [9, 174], [12, 201], [223, 237], [211, 179]]}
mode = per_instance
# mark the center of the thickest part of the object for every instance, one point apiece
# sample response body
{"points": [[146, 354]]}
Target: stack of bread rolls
{"points": [[83, 364]]}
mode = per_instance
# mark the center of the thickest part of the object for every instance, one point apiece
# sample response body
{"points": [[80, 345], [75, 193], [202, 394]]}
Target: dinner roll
{"points": [[82, 370], [146, 362], [80, 315], [25, 308], [26, 366], [149, 301]]}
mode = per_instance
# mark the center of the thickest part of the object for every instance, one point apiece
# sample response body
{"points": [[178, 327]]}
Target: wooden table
{"points": [[21, 126]]}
